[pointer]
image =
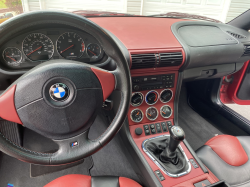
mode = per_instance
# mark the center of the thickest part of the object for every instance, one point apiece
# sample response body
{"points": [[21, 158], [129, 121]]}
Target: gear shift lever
{"points": [[176, 136]]}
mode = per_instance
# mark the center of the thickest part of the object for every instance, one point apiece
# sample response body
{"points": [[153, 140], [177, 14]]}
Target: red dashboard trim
{"points": [[8, 109], [158, 104], [158, 36]]}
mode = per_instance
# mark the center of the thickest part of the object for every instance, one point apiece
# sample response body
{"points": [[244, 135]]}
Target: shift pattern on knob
{"points": [[177, 133]]}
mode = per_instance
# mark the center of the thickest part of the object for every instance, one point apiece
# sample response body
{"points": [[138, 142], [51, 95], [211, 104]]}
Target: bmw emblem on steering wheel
{"points": [[59, 92]]}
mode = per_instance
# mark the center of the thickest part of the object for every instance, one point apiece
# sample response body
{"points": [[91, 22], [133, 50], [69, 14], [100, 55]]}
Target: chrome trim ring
{"points": [[149, 93], [169, 99], [156, 115], [132, 118], [170, 113], [160, 166], [141, 100], [17, 62]]}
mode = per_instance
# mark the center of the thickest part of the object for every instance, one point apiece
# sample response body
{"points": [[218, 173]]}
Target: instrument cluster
{"points": [[151, 98], [31, 49]]}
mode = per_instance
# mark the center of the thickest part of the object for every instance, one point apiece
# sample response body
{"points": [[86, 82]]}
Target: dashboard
{"points": [[32, 48]]}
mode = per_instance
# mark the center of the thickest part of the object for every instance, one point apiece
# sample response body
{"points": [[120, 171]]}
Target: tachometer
{"points": [[12, 56], [38, 47], [70, 45]]}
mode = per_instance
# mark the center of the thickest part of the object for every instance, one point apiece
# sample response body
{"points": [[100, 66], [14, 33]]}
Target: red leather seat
{"points": [[76, 180], [228, 158]]}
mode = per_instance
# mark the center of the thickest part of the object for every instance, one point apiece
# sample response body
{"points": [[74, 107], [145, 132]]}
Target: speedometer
{"points": [[38, 47]]}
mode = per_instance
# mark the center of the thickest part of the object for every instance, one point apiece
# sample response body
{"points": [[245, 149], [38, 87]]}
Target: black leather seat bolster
{"points": [[234, 175], [107, 181]]}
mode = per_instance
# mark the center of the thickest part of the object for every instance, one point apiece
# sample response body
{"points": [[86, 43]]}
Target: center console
{"points": [[151, 119]]}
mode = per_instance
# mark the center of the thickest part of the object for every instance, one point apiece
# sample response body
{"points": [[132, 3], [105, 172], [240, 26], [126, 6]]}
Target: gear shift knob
{"points": [[177, 135]]}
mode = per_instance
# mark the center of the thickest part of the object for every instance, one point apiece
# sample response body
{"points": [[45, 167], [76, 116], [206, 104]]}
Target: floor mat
{"points": [[17, 172], [198, 130], [110, 160]]}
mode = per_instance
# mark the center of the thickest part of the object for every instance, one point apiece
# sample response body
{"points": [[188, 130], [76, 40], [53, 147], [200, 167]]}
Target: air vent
{"points": [[246, 50], [238, 36], [140, 61], [170, 59]]}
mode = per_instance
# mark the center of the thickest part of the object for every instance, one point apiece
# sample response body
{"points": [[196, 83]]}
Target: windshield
{"points": [[221, 10]]}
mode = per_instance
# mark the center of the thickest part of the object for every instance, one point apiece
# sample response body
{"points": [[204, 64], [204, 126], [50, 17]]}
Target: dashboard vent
{"points": [[238, 36], [246, 50], [170, 59], [140, 61]]}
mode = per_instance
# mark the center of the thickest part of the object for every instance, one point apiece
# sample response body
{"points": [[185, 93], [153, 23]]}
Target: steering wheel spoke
{"points": [[79, 145]]}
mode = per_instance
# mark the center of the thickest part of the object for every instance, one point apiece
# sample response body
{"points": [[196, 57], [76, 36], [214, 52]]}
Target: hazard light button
{"points": [[202, 183]]}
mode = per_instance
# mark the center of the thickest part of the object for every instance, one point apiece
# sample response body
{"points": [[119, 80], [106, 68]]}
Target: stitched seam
{"points": [[241, 183]]}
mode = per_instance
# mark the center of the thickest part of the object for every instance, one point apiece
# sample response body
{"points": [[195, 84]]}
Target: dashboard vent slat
{"points": [[170, 59], [238, 36], [140, 61], [246, 50]]}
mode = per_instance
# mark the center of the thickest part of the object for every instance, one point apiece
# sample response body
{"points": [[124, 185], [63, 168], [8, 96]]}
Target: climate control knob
{"points": [[152, 97], [166, 95], [136, 99]]}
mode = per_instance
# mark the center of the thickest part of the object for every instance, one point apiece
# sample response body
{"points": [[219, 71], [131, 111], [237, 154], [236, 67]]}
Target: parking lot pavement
{"points": [[243, 110]]}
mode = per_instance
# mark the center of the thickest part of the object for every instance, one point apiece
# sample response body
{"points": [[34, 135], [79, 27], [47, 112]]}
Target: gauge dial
{"points": [[152, 113], [152, 97], [136, 99], [38, 47], [166, 111], [136, 115], [70, 45], [166, 95], [93, 50], [12, 56]]}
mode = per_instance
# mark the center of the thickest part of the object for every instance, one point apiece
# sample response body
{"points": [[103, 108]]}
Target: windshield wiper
{"points": [[185, 16]]}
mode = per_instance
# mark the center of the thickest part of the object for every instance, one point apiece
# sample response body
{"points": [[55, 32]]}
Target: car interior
{"points": [[129, 101]]}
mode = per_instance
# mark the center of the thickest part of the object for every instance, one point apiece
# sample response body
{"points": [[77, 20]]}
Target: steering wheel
{"points": [[60, 99]]}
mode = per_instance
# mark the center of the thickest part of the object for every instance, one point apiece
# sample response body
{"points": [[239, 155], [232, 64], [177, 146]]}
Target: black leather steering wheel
{"points": [[33, 100]]}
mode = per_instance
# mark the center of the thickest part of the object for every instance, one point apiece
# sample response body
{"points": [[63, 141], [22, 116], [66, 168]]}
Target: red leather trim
{"points": [[107, 81], [191, 182], [8, 109], [131, 31], [125, 182], [74, 180], [229, 149]]}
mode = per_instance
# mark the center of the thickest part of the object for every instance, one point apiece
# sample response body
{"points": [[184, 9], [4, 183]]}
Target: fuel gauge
{"points": [[12, 56], [93, 50]]}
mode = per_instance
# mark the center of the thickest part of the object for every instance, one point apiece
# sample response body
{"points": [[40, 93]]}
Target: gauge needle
{"points": [[92, 52], [67, 48], [10, 58], [34, 50], [138, 113], [163, 112], [149, 114]]}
